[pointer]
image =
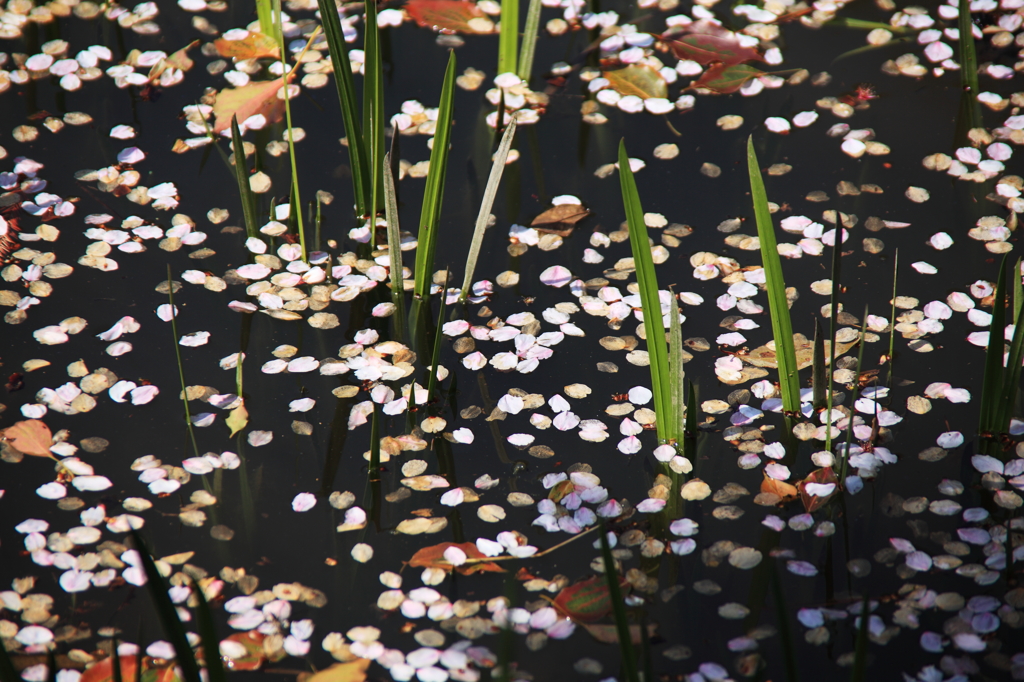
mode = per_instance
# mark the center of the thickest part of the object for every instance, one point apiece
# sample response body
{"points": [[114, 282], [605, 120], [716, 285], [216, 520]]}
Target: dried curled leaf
{"points": [[786, 491], [560, 219], [248, 100], [823, 476]]}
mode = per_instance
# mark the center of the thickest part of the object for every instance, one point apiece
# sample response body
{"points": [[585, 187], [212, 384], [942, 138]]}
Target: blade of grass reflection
{"points": [[629, 670], [485, 396], [296, 199], [373, 114], [992, 380], [860, 655], [892, 319], [374, 469], [785, 633], [241, 166], [856, 394], [394, 247], [506, 640], [1011, 377], [818, 372], [181, 368], [137, 677], [166, 612], [208, 636], [435, 355]]}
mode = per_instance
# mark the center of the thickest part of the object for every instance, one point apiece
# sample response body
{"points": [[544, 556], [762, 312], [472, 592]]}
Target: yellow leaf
{"points": [[638, 79], [353, 671], [237, 420], [30, 437]]}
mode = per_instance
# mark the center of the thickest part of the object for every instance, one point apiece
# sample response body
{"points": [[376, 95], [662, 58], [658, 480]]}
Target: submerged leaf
{"points": [[30, 437], [433, 557], [353, 671], [448, 15], [608, 635], [638, 79], [253, 46], [586, 601], [708, 49], [726, 78]]}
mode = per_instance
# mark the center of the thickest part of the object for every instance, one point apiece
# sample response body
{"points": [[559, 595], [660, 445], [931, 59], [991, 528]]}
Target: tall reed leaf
{"points": [[347, 100], [249, 210], [509, 37], [650, 301], [860, 653], [529, 44], [1001, 383], [181, 367], [629, 670], [208, 635], [433, 193], [676, 378], [484, 216], [265, 14], [394, 247], [992, 382], [968, 54], [373, 113], [296, 198], [168, 616], [782, 326]]}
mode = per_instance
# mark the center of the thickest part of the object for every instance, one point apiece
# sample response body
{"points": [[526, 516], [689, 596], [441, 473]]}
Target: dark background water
{"points": [[559, 155]]}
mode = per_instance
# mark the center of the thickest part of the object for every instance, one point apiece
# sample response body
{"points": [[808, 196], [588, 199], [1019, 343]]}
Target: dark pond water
{"points": [[915, 117]]}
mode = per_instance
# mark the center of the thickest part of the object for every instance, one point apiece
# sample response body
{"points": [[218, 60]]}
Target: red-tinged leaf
{"points": [[560, 490], [726, 78], [708, 49], [433, 557], [103, 671], [586, 601], [786, 491], [822, 476], [252, 46], [608, 634], [165, 673], [30, 437], [180, 59], [449, 16], [254, 652], [638, 79], [248, 100]]}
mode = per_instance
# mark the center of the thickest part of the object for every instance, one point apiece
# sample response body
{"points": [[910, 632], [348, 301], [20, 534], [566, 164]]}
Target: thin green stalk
{"points": [[818, 380], [676, 377], [892, 317], [629, 669], [373, 114], [173, 627], [375, 445], [860, 654], [177, 357], [208, 635], [509, 36], [296, 198], [782, 326], [529, 44], [249, 210], [433, 193], [435, 356], [856, 395], [833, 318], [483, 217], [1011, 375], [345, 84], [650, 301], [394, 248], [992, 382], [968, 53], [316, 234]]}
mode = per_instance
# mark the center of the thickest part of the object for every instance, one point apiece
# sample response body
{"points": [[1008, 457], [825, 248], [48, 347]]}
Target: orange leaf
{"points": [[433, 557], [180, 59], [252, 46], [248, 100], [560, 490], [254, 652], [822, 476], [784, 490], [449, 16], [31, 437], [609, 634], [103, 671], [726, 78]]}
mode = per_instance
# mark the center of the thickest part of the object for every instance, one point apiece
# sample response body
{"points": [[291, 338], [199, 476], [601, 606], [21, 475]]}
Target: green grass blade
{"points": [[373, 113], [208, 634], [629, 670], [968, 53], [992, 382], [1011, 375], [374, 471], [529, 45], [782, 326], [856, 395], [647, 281], [509, 36], [347, 100], [115, 661], [860, 654], [181, 367], [892, 317], [394, 247], [249, 210], [295, 197], [483, 217], [265, 14], [7, 671], [173, 627], [433, 193], [435, 355], [676, 378], [819, 381]]}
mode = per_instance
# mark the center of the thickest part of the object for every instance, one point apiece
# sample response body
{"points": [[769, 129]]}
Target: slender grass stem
{"points": [[394, 248], [433, 193], [177, 357], [856, 395], [374, 472], [435, 356], [892, 318], [208, 635], [249, 208], [860, 654], [529, 44], [968, 52], [285, 73], [508, 37], [265, 14], [629, 669], [483, 217], [782, 326], [373, 114]]}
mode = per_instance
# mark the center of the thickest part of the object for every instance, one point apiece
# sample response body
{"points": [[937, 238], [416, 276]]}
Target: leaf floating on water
{"points": [[708, 49], [818, 488], [237, 420], [244, 651], [560, 219], [449, 16], [253, 46], [353, 671], [103, 671], [639, 80], [586, 601], [246, 101], [765, 356], [30, 437], [785, 491], [422, 525], [434, 557], [726, 78]]}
